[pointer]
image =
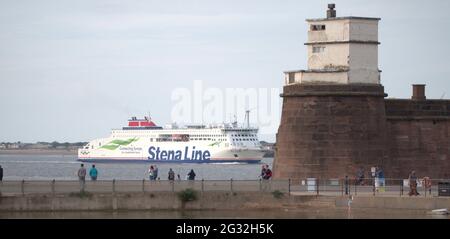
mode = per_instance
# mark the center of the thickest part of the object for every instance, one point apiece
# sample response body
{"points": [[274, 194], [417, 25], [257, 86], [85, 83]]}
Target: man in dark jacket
{"points": [[1, 173], [191, 175]]}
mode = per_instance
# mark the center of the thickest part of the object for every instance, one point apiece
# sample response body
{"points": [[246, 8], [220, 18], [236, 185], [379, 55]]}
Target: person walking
{"points": [[413, 184], [1, 173], [263, 171], [82, 177], [171, 175], [191, 175], [268, 173], [151, 173], [381, 179], [155, 172], [93, 173], [360, 176]]}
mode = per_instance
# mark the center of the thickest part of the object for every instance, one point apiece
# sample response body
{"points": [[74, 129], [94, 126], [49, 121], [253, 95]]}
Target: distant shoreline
{"points": [[38, 151]]}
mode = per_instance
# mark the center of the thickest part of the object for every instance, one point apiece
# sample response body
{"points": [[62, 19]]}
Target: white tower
{"points": [[341, 50]]}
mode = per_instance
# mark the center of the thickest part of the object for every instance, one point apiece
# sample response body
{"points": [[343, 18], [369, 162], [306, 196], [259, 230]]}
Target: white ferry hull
{"points": [[181, 153], [143, 141]]}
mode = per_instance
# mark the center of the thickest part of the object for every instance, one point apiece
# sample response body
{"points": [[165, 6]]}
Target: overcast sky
{"points": [[72, 70]]}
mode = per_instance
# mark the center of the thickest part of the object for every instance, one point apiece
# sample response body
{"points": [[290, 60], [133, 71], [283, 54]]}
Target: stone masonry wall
{"points": [[419, 137], [328, 131]]}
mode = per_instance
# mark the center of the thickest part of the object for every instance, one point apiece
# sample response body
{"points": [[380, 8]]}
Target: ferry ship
{"points": [[143, 141]]}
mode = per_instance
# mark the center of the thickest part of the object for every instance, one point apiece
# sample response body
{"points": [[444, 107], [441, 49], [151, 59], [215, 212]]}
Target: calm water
{"points": [[64, 167]]}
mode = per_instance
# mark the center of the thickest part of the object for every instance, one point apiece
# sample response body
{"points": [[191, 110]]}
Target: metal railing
{"points": [[368, 187], [332, 187], [132, 186]]}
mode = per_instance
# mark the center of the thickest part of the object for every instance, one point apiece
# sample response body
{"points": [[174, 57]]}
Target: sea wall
{"points": [[210, 201], [157, 200]]}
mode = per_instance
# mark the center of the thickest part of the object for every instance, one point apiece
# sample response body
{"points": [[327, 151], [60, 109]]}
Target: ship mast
{"points": [[247, 116]]}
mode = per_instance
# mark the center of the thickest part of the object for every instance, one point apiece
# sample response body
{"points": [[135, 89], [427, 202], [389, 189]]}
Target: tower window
{"points": [[318, 49], [317, 27]]}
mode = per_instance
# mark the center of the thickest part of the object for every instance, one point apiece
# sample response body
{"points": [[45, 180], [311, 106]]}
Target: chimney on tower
{"points": [[331, 13], [418, 92]]}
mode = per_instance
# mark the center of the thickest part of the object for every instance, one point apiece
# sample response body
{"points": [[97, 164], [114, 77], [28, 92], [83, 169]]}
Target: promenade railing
{"points": [[307, 186], [24, 187], [371, 187]]}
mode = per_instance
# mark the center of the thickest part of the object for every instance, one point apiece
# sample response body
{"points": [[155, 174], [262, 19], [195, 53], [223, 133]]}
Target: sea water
{"points": [[65, 167]]}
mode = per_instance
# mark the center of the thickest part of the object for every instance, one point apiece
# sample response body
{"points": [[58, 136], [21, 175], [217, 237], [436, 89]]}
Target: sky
{"points": [[73, 70]]}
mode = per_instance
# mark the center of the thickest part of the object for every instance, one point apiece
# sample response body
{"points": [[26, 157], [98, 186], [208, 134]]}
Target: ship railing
{"points": [[306, 186]]}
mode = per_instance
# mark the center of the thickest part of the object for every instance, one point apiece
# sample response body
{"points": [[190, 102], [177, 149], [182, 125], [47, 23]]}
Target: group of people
{"points": [[413, 181], [153, 174], [93, 173], [379, 180], [376, 173], [266, 173]]}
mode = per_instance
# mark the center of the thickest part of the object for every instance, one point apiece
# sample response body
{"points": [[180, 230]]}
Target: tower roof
{"points": [[342, 18]]}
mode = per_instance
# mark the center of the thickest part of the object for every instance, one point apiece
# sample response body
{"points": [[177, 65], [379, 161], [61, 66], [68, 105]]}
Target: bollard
{"points": [[114, 186], [231, 184], [260, 185], [289, 186], [22, 187], [53, 186], [424, 188], [347, 185], [401, 189], [317, 187], [143, 185]]}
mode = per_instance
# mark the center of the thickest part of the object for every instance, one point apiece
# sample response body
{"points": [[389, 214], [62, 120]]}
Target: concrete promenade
{"points": [[210, 201], [212, 195]]}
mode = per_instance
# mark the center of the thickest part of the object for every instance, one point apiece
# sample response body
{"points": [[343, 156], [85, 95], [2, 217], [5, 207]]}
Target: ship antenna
{"points": [[247, 116]]}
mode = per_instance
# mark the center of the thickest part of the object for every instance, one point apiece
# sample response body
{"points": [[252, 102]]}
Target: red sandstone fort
{"points": [[335, 117]]}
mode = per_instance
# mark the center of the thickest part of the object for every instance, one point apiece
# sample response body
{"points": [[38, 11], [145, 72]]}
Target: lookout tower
{"points": [[341, 50], [333, 116]]}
